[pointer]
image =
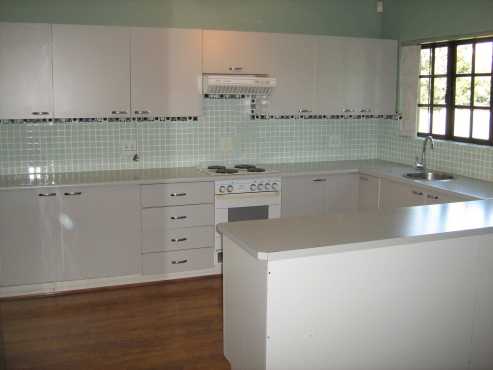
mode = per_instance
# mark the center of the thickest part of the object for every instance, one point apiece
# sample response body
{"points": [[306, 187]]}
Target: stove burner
{"points": [[256, 169], [227, 170], [216, 167], [245, 166]]}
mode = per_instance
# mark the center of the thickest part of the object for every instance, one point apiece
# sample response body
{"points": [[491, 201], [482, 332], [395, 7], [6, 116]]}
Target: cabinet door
{"points": [[395, 195], [91, 71], [25, 71], [237, 52], [304, 195], [100, 231], [385, 91], [342, 192], [29, 237], [435, 197], [166, 72], [369, 192], [293, 64]]}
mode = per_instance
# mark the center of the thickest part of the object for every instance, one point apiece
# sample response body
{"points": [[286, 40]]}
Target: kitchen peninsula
{"points": [[406, 288]]}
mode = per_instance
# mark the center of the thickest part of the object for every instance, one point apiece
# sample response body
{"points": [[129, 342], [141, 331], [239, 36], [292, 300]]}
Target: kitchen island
{"points": [[407, 288]]}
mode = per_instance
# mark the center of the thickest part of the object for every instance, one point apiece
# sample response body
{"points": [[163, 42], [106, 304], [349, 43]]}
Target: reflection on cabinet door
{"points": [[294, 67], [29, 237], [100, 231], [166, 72], [91, 71], [395, 195], [235, 52], [25, 71]]}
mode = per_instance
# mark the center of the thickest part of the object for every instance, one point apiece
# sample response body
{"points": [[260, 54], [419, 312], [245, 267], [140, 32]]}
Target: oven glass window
{"points": [[248, 213]]}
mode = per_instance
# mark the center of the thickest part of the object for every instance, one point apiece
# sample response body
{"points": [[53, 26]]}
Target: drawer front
{"points": [[181, 261], [176, 217], [161, 239], [160, 195]]}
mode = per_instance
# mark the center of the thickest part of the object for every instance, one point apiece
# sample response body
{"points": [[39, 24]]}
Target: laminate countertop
{"points": [[356, 230], [468, 187]]}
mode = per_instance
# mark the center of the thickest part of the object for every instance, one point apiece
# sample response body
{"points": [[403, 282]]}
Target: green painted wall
{"points": [[330, 17], [422, 19]]}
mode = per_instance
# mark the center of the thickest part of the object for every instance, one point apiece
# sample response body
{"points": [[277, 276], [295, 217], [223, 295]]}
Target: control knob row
{"points": [[223, 189], [261, 187]]}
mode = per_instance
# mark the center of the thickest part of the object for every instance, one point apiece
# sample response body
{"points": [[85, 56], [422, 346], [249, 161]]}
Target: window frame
{"points": [[450, 105]]}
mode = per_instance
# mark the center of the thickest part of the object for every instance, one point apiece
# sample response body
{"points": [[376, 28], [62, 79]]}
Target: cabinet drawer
{"points": [[160, 195], [161, 239], [170, 262], [177, 217]]}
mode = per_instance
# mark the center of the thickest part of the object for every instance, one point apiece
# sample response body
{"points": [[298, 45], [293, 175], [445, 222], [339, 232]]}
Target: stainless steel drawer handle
{"points": [[236, 69], [142, 112], [180, 262], [420, 193], [303, 110], [178, 194], [178, 217], [47, 194], [179, 240], [119, 112], [40, 113], [73, 193], [434, 197], [364, 178], [319, 180]]}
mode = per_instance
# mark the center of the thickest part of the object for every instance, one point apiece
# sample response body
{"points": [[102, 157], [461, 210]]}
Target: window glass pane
{"points": [[464, 58], [481, 124], [424, 90], [463, 91], [483, 57], [425, 61], [441, 60], [482, 89], [462, 122], [424, 121], [440, 89], [439, 120]]}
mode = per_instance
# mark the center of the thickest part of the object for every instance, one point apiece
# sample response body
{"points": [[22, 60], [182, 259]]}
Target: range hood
{"points": [[238, 85]]}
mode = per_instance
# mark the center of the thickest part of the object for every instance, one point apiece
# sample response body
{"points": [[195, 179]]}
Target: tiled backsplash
{"points": [[224, 133]]}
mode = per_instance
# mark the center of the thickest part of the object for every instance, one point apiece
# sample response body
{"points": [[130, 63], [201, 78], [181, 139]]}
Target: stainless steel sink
{"points": [[429, 176]]}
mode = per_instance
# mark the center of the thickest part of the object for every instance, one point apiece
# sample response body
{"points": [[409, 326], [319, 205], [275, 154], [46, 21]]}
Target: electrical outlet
{"points": [[128, 145]]}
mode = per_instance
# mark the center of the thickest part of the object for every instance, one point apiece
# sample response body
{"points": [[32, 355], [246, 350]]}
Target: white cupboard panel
{"points": [[25, 71], [29, 237], [180, 261], [369, 192], [237, 52], [385, 91], [396, 195], [304, 196], [100, 231], [342, 192], [91, 71], [166, 72], [294, 67], [177, 194]]}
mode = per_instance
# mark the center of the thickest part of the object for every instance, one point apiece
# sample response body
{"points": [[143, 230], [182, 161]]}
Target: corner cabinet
{"points": [[91, 71], [232, 52], [25, 72], [166, 72]]}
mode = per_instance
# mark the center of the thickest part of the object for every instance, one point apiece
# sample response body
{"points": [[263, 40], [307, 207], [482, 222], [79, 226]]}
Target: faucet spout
{"points": [[421, 164]]}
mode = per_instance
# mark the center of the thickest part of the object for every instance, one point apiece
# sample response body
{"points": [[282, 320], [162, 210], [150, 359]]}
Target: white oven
{"points": [[246, 199]]}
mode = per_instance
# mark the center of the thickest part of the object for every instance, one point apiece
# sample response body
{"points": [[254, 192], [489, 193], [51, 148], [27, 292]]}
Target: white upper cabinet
{"points": [[91, 71], [294, 67], [231, 52], [25, 71], [385, 92], [166, 72]]}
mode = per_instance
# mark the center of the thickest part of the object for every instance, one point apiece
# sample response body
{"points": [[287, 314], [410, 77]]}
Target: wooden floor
{"points": [[169, 326]]}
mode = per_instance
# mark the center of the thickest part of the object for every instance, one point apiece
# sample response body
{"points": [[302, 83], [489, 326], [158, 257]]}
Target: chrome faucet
{"points": [[421, 164]]}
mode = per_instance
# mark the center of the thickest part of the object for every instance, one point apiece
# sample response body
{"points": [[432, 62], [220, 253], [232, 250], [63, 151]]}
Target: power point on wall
{"points": [[380, 6]]}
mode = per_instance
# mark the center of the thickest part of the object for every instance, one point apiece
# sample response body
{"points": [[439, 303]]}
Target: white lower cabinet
{"points": [[100, 229], [369, 192], [29, 237], [312, 195], [180, 261]]}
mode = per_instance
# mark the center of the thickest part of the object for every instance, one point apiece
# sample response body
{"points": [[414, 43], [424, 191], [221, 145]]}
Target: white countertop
{"points": [[303, 236], [460, 185]]}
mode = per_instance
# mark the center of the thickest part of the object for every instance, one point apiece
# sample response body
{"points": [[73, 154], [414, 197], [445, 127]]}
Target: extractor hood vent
{"points": [[238, 85]]}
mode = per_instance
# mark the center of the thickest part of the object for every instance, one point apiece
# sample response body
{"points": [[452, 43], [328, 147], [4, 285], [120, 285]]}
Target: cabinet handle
{"points": [[420, 193], [434, 197], [236, 69], [40, 113], [364, 178], [303, 110], [142, 112], [118, 112], [178, 217], [319, 180], [47, 194], [73, 193], [178, 194], [180, 262], [179, 240], [367, 110], [347, 110]]}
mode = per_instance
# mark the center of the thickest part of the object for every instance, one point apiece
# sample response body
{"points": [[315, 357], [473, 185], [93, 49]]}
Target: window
{"points": [[455, 91]]}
